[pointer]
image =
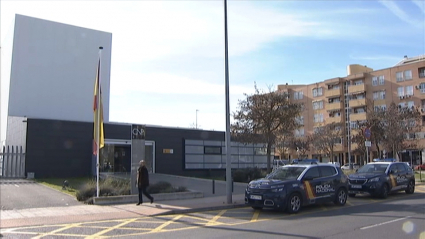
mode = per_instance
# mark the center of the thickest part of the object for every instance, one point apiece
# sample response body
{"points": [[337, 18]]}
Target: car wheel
{"points": [[294, 203], [257, 208], [384, 191], [410, 188], [351, 195], [341, 197]]}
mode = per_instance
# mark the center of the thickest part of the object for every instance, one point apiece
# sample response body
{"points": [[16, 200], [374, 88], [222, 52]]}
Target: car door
{"points": [[325, 191], [310, 180], [393, 174], [402, 177]]}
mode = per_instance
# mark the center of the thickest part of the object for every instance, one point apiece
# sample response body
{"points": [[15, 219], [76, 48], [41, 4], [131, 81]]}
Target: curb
{"points": [[125, 199], [203, 209]]}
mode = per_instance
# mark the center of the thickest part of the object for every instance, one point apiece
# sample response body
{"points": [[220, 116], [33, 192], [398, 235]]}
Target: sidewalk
{"points": [[71, 214]]}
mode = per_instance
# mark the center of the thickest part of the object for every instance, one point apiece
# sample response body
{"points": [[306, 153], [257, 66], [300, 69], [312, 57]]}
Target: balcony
{"points": [[357, 117], [332, 92], [357, 103], [379, 102], [336, 119], [338, 147], [356, 88], [333, 106]]}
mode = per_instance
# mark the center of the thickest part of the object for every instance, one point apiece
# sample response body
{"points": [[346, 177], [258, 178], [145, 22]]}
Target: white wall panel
{"points": [[53, 70]]}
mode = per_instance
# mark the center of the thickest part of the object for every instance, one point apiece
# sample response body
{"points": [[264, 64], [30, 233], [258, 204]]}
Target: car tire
{"points": [[341, 197], [410, 187], [384, 191], [351, 195], [257, 208], [294, 203]]}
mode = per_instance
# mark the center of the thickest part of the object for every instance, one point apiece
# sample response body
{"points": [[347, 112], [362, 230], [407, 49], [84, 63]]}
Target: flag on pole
{"points": [[99, 140]]}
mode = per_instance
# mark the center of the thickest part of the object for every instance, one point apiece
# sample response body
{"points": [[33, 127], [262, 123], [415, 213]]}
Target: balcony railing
{"points": [[333, 106], [357, 103], [356, 88], [336, 119], [357, 117], [332, 92]]}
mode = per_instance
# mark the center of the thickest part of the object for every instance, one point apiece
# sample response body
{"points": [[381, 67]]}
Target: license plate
{"points": [[255, 197], [356, 186]]}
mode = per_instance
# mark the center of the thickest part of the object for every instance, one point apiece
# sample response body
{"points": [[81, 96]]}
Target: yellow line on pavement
{"points": [[323, 208], [57, 230], [166, 223], [112, 228], [349, 203], [422, 191], [255, 216], [213, 221]]}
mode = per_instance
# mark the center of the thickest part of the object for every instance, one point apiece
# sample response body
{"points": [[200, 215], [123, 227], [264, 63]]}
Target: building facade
{"points": [[346, 99]]}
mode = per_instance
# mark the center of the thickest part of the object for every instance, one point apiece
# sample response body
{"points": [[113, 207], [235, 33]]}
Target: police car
{"points": [[381, 178], [292, 186]]}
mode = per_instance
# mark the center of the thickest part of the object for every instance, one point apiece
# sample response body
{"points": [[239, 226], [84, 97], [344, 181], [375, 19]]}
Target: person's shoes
{"points": [[151, 200], [138, 204]]}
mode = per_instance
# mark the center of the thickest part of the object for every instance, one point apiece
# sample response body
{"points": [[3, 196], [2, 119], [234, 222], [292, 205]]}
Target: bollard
{"points": [[213, 186]]}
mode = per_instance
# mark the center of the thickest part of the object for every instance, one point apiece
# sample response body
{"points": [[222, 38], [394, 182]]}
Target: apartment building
{"points": [[345, 100]]}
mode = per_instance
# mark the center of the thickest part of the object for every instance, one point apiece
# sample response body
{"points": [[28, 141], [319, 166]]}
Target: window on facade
{"points": [[409, 90], [298, 95], [318, 118], [317, 92], [422, 87], [421, 72], [337, 140], [374, 81], [399, 76], [400, 91], [212, 150], [358, 82], [299, 132], [408, 75], [300, 120], [381, 80], [317, 105], [401, 104]]}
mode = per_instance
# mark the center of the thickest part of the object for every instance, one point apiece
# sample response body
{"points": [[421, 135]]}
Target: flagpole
{"points": [[98, 124]]}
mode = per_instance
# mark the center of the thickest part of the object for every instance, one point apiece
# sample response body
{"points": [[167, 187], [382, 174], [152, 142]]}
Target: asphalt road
{"points": [[399, 216], [22, 194]]}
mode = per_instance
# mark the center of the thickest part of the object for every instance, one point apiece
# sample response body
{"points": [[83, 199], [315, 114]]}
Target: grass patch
{"points": [[56, 183], [418, 176]]}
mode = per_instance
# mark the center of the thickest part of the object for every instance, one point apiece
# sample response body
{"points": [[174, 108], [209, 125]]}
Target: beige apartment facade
{"points": [[346, 99]]}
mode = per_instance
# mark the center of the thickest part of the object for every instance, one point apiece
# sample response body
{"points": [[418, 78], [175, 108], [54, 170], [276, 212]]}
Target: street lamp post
{"points": [[227, 135], [196, 123]]}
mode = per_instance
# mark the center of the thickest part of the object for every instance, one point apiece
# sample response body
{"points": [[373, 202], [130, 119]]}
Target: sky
{"points": [[174, 50]]}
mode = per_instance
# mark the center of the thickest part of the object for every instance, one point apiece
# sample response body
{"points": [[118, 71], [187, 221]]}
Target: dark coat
{"points": [[142, 177]]}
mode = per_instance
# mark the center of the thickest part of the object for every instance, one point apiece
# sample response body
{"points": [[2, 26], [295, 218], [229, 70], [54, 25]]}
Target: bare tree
{"points": [[283, 144], [302, 145], [261, 117], [326, 137], [399, 123]]}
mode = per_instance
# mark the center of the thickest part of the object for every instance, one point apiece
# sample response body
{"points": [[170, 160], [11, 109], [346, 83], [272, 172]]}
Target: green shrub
{"points": [[107, 187]]}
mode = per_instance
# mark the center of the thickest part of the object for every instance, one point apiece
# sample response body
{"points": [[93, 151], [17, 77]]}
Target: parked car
{"points": [[292, 186], [347, 166], [420, 167], [381, 178]]}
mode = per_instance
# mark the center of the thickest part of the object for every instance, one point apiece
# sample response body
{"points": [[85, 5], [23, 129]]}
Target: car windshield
{"points": [[286, 173], [373, 168]]}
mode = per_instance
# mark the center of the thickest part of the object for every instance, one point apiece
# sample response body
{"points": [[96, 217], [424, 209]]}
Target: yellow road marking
{"points": [[323, 208], [215, 218], [166, 224], [112, 228], [255, 216], [349, 203], [422, 191], [57, 230]]}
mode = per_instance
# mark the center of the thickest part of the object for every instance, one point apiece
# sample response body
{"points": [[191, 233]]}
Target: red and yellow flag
{"points": [[99, 140]]}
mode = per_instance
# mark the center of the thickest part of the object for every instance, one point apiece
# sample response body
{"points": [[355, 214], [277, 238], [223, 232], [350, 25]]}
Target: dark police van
{"points": [[381, 178], [291, 186]]}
